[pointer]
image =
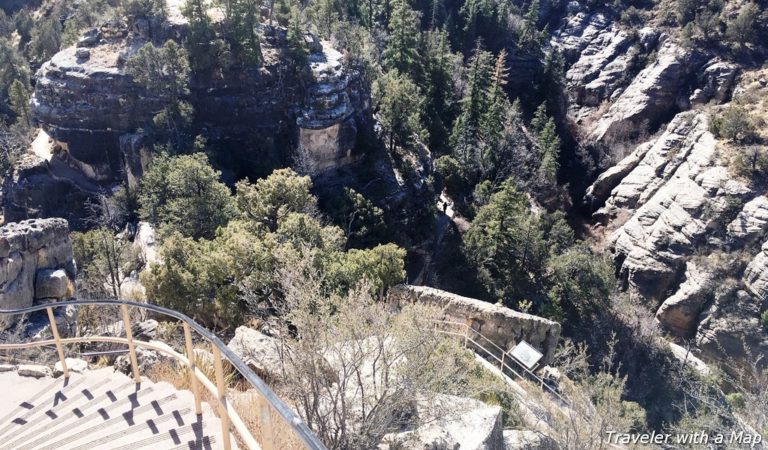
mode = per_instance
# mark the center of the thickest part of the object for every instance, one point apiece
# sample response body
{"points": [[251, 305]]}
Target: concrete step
{"points": [[102, 409]]}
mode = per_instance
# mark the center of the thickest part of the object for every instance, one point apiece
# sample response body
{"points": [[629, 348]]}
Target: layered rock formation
{"points": [[502, 326], [621, 83], [678, 216], [327, 124], [36, 264], [253, 117]]}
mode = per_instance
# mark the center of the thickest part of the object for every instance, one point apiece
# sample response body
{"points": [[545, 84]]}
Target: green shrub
{"points": [[735, 124], [764, 319]]}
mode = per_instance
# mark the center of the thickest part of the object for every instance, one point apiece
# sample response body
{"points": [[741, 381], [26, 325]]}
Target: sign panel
{"points": [[526, 354]]}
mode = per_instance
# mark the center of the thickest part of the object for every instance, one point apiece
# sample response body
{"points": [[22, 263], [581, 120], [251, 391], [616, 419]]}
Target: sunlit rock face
{"points": [[334, 105], [36, 264]]}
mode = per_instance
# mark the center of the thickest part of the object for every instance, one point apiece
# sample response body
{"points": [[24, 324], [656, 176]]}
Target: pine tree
{"points": [[401, 53], [296, 35], [325, 15], [549, 144], [498, 103], [18, 96], [401, 107], [466, 130], [202, 55], [438, 87], [529, 34]]}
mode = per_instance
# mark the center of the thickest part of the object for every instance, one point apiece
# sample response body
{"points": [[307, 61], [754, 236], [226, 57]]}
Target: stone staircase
{"points": [[101, 409]]}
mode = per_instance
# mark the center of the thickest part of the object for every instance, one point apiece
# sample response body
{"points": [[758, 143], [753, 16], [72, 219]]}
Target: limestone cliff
{"points": [[36, 264], [685, 233], [254, 118]]}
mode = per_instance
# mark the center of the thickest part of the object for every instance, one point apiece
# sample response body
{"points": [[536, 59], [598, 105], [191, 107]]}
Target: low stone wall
{"points": [[36, 264], [503, 326]]}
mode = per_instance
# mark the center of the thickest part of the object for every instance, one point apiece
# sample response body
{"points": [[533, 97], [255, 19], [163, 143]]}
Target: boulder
{"points": [[74, 365], [527, 440], [260, 352], [751, 222], [144, 357], [679, 313], [502, 326], [450, 422], [717, 79], [145, 243], [34, 371], [7, 368], [52, 283], [38, 251]]}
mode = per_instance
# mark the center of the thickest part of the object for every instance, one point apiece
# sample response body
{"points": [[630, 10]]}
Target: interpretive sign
{"points": [[526, 355]]}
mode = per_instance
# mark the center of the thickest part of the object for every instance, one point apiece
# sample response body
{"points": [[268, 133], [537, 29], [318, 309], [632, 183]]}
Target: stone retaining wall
{"points": [[503, 326]]}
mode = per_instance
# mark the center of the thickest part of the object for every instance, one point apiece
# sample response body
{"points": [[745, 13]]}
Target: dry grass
{"points": [[243, 400]]}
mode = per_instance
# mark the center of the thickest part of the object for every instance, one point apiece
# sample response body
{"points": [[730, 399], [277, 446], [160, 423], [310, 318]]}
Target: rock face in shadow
{"points": [[502, 326], [255, 118], [36, 264]]}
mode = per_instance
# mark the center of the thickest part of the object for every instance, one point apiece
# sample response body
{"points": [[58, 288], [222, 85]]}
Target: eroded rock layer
{"points": [[36, 264]]}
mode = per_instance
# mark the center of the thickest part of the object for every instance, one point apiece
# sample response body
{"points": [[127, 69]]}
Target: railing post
{"points": [[503, 354], [59, 347], [265, 422], [131, 346], [223, 407], [192, 376]]}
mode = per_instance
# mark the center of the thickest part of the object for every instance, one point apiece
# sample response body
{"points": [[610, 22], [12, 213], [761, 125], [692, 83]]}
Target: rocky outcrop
{"points": [[649, 98], [260, 352], [452, 423], [253, 117], [36, 264], [679, 313], [731, 332], [41, 188], [502, 326], [676, 194], [751, 223], [327, 125]]}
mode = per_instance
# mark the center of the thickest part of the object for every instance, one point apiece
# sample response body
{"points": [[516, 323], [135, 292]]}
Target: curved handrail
{"points": [[294, 421]]}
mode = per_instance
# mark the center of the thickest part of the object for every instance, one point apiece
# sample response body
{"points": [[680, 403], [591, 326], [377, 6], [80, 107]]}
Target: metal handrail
{"points": [[505, 355], [297, 425]]}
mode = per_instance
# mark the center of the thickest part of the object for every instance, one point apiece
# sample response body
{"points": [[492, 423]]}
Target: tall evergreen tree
{"points": [[549, 144], [438, 87], [529, 34], [494, 119], [401, 53], [466, 130], [401, 107], [18, 96]]}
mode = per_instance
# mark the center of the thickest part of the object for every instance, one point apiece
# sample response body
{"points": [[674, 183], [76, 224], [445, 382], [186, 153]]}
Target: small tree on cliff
{"points": [[164, 73]]}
